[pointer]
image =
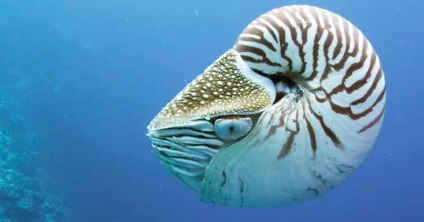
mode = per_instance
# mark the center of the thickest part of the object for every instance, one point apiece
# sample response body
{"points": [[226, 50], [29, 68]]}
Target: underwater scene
{"points": [[136, 110]]}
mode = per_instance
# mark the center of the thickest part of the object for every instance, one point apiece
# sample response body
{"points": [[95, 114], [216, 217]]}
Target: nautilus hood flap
{"points": [[227, 87]]}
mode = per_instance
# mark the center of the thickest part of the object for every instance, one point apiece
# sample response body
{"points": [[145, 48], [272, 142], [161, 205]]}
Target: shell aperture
{"points": [[286, 115]]}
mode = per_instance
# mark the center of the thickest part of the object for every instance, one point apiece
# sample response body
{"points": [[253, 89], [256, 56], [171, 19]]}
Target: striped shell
{"points": [[284, 116]]}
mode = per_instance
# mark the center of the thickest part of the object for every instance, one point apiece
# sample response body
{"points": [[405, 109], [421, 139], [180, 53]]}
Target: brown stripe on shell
{"points": [[373, 122], [283, 41], [289, 142], [339, 45], [257, 51], [287, 146], [371, 89], [346, 53], [349, 72], [268, 28], [327, 130], [256, 31], [311, 132], [294, 34]]}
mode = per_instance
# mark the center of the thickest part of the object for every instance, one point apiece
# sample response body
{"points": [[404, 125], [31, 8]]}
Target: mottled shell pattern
{"points": [[287, 114]]}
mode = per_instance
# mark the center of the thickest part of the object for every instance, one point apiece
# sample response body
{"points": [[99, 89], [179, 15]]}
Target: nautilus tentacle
{"points": [[284, 116]]}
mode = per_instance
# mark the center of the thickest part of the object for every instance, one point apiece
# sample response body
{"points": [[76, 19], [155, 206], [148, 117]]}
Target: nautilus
{"points": [[284, 116]]}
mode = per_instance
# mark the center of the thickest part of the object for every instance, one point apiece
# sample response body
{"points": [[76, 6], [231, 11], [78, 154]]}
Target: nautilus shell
{"points": [[285, 115]]}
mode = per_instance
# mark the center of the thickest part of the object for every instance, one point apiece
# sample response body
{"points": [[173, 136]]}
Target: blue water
{"points": [[85, 77]]}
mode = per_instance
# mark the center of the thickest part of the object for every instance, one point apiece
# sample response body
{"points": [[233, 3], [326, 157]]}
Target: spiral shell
{"points": [[284, 116]]}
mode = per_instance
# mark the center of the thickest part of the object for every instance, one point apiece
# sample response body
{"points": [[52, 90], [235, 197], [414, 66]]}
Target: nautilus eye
{"points": [[285, 115], [232, 129]]}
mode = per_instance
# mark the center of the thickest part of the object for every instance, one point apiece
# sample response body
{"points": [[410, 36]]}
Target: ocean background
{"points": [[80, 80]]}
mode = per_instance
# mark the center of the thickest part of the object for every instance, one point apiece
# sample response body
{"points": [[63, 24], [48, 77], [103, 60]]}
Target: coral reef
{"points": [[22, 196]]}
